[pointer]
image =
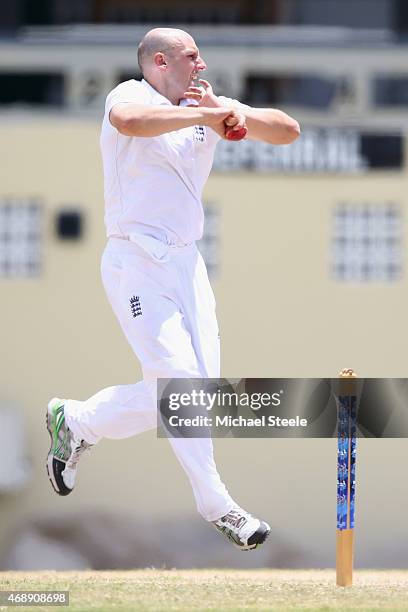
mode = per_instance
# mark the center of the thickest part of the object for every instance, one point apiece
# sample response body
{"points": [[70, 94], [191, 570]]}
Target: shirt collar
{"points": [[157, 97]]}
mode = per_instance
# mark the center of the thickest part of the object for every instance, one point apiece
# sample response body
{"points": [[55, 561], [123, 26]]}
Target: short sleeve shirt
{"points": [[153, 186]]}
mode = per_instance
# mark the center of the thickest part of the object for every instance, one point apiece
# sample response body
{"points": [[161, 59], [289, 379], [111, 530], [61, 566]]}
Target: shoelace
{"points": [[76, 454]]}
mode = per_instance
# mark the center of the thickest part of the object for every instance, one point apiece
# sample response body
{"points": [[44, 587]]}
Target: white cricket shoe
{"points": [[243, 529], [65, 450]]}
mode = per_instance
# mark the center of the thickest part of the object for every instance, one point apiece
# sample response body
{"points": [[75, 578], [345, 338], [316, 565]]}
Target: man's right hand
{"points": [[222, 117]]}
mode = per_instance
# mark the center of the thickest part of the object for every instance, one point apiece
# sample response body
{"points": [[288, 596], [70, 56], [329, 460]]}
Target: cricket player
{"points": [[157, 152]]}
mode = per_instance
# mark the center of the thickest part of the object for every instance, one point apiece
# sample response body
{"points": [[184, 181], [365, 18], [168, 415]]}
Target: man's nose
{"points": [[201, 65]]}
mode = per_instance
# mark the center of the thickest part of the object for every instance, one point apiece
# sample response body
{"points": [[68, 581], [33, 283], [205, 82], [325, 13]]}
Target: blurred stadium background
{"points": [[307, 249]]}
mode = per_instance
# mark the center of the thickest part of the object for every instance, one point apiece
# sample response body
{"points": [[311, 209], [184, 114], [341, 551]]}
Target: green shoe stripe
{"points": [[59, 420], [60, 444]]}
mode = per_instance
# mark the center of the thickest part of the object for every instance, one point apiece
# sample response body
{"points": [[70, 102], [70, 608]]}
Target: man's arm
{"points": [[270, 125], [266, 124], [148, 121]]}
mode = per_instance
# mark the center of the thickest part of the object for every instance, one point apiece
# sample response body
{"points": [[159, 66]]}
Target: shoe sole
{"points": [[50, 460], [257, 538]]}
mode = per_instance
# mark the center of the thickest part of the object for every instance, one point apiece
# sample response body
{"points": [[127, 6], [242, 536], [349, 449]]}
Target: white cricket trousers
{"points": [[163, 300]]}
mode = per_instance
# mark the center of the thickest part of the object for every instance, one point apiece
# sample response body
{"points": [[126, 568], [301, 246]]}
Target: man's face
{"points": [[183, 66]]}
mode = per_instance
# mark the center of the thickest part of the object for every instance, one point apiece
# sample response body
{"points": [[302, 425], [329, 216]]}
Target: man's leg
{"points": [[161, 340], [198, 304], [116, 412]]}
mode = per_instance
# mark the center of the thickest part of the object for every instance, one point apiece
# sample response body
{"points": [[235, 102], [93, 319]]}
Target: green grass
{"points": [[217, 590]]}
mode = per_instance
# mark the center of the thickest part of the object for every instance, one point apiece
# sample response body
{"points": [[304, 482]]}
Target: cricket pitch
{"points": [[216, 589]]}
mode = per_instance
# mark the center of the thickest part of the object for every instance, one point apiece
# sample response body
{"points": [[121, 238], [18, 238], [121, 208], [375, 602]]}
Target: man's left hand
{"points": [[203, 94]]}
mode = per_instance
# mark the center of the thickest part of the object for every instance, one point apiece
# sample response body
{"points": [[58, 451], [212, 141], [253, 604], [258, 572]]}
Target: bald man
{"points": [[158, 141]]}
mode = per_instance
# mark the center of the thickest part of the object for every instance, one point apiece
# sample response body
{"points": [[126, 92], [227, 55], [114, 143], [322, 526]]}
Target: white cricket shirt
{"points": [[153, 186]]}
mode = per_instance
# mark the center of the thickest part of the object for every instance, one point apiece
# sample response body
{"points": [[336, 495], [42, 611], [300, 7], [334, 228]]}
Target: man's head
{"points": [[170, 61]]}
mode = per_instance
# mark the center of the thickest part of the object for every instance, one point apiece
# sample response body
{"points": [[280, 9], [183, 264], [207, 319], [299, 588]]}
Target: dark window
{"points": [[382, 150], [164, 11], [69, 224], [401, 16], [292, 90], [31, 88], [390, 90], [36, 12], [15, 13], [340, 13], [126, 76], [10, 16]]}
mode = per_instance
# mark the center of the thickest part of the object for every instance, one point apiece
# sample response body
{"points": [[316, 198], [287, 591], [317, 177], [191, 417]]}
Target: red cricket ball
{"points": [[231, 134]]}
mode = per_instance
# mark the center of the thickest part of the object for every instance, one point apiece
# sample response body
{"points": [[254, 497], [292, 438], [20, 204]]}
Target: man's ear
{"points": [[160, 60]]}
